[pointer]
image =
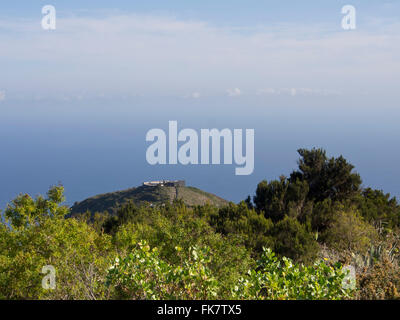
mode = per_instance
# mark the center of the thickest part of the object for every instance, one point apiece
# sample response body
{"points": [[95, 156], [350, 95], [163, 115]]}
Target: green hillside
{"points": [[156, 195], [316, 234]]}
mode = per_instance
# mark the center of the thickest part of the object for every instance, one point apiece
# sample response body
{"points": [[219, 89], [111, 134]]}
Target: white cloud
{"points": [[196, 95], [267, 91], [234, 92], [161, 55], [2, 95], [298, 92]]}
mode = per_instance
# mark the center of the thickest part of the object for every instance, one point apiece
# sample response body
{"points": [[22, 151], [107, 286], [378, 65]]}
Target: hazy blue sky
{"points": [[76, 102]]}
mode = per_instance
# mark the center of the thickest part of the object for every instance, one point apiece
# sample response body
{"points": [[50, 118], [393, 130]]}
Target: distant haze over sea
{"points": [[99, 146]]}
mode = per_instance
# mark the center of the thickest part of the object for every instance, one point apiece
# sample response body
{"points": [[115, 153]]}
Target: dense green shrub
{"points": [[142, 274], [173, 251], [328, 178], [282, 279], [376, 206], [241, 221], [293, 240], [38, 235], [178, 226], [349, 232]]}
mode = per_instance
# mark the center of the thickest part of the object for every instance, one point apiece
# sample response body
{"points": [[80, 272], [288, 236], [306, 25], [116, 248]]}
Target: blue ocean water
{"points": [[99, 146]]}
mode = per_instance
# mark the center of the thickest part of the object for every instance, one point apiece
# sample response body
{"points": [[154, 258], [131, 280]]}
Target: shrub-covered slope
{"points": [[156, 195]]}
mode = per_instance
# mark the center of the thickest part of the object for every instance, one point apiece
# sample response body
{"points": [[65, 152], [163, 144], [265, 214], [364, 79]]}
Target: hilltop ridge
{"points": [[152, 194]]}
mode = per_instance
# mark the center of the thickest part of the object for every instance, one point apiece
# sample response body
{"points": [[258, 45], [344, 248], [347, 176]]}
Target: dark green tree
{"points": [[293, 240], [238, 220], [376, 206], [270, 198], [328, 178]]}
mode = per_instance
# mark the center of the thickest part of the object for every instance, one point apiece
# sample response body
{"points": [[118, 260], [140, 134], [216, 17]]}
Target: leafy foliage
{"points": [[327, 178], [376, 206], [292, 239], [349, 232], [254, 229], [142, 274], [179, 251], [282, 279], [39, 235], [176, 225]]}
